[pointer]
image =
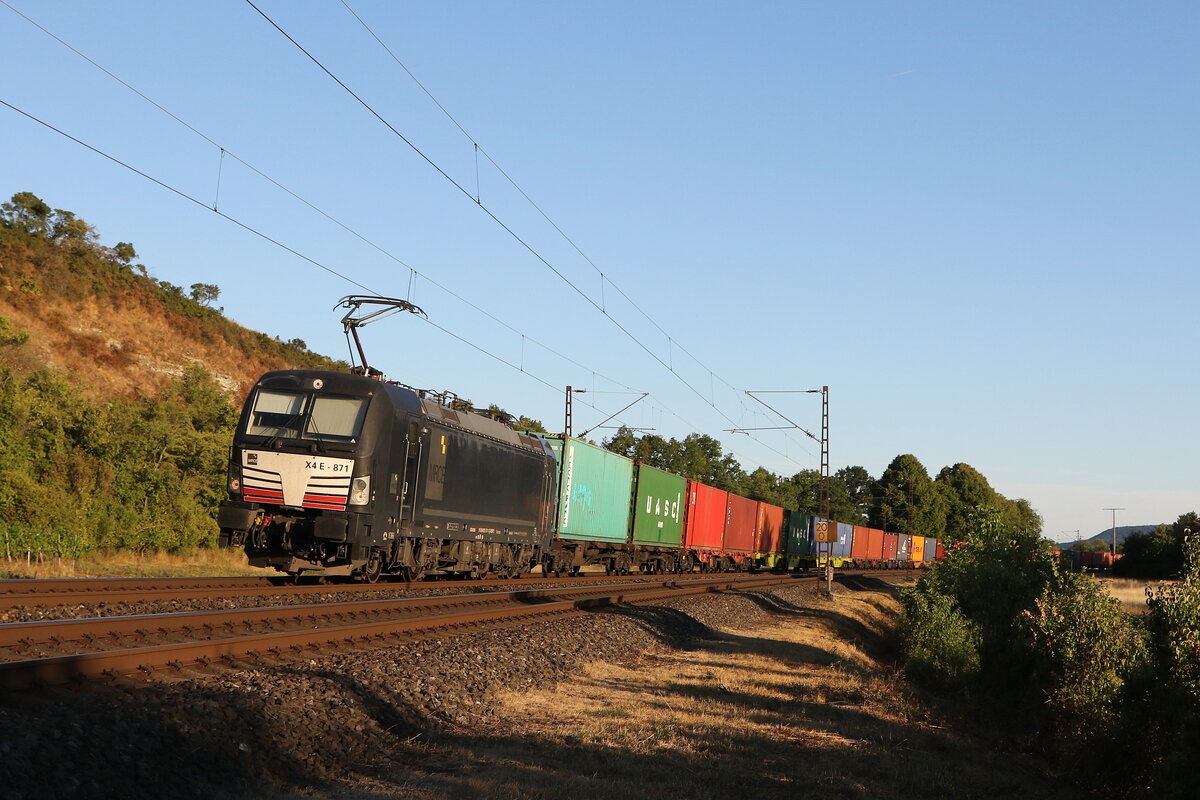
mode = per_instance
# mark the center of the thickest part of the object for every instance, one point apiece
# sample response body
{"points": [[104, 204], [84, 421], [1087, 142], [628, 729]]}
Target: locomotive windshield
{"points": [[276, 414], [336, 418], [296, 415]]}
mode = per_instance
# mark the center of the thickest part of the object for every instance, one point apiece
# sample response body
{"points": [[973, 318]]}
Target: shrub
{"points": [[941, 645], [1169, 719], [1085, 651]]}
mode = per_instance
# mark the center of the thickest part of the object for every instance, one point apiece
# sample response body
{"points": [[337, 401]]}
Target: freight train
{"points": [[340, 474]]}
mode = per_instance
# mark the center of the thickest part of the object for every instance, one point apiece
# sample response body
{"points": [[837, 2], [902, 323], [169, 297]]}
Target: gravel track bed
{"points": [[121, 609], [240, 732]]}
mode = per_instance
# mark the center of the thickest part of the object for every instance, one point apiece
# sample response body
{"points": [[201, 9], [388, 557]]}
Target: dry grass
{"points": [[804, 705], [1130, 592], [128, 564]]}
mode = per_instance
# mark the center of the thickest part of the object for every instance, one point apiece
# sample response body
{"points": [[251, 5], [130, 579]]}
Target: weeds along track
{"points": [[65, 652]]}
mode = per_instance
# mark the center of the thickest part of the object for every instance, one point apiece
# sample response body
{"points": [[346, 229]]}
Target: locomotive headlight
{"points": [[234, 484], [360, 491]]}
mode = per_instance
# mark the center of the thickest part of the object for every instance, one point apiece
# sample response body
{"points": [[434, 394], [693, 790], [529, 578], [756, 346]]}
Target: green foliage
{"points": [[964, 490], [941, 645], [524, 423], [142, 474], [1159, 553], [860, 490], [697, 456], [992, 577], [26, 212], [1169, 717], [1086, 650], [907, 501], [1055, 647], [206, 293], [1090, 546], [124, 252], [10, 337]]}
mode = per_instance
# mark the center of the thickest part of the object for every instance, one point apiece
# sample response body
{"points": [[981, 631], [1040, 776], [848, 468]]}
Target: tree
{"points": [[124, 253], [524, 423], [205, 293], [907, 500], [1159, 553], [764, 485], [698, 457], [1021, 513], [27, 212], [860, 489], [66, 227], [964, 491]]}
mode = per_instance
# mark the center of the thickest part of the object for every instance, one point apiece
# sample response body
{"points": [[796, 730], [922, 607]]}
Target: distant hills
{"points": [[1123, 533]]}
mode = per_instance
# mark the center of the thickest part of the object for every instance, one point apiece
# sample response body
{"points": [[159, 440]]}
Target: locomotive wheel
{"points": [[373, 569]]}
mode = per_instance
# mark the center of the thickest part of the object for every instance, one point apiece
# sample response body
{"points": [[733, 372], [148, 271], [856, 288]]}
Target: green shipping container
{"points": [[658, 512], [595, 488], [796, 525]]}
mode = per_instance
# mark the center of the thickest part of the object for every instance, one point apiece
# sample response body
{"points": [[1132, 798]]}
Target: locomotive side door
{"points": [[411, 480]]}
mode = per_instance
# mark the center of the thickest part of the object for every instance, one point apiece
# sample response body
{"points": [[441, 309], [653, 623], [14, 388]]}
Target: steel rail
{"points": [[15, 593], [520, 606]]}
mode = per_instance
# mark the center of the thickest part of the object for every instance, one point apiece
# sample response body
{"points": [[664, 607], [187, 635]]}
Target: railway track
{"points": [[83, 591], [73, 651]]}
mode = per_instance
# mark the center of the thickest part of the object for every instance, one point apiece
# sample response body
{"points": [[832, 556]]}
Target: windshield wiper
{"points": [[270, 442], [318, 445]]}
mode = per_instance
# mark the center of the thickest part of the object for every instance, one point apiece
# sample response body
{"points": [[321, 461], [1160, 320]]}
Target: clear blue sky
{"points": [[975, 222]]}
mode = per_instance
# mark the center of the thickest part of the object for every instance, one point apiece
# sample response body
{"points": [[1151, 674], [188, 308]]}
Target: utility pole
{"points": [[825, 532], [824, 500], [1114, 528]]}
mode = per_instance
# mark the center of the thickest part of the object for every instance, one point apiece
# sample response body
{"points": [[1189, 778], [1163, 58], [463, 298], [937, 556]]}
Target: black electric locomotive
{"points": [[342, 474]]}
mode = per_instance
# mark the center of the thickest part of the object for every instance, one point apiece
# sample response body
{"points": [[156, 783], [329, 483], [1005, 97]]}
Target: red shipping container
{"points": [[704, 525], [941, 551], [858, 547], [741, 514], [891, 542], [768, 529], [874, 544]]}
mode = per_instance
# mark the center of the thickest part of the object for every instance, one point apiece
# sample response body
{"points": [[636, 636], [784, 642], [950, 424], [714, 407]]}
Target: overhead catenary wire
{"points": [[478, 148], [267, 238], [503, 225], [414, 274]]}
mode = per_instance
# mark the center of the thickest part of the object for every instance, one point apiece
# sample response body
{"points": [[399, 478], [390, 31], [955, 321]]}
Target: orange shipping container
{"points": [[740, 516], [858, 549], [874, 544], [918, 549], [704, 526], [768, 531]]}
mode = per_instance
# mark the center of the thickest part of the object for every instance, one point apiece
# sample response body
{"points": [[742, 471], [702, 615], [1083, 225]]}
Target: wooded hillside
{"points": [[117, 392]]}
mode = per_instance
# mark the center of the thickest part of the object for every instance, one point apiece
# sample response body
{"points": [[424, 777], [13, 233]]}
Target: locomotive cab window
{"points": [[336, 418], [276, 414]]}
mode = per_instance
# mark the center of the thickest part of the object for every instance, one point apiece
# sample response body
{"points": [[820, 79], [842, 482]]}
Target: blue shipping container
{"points": [[845, 540]]}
